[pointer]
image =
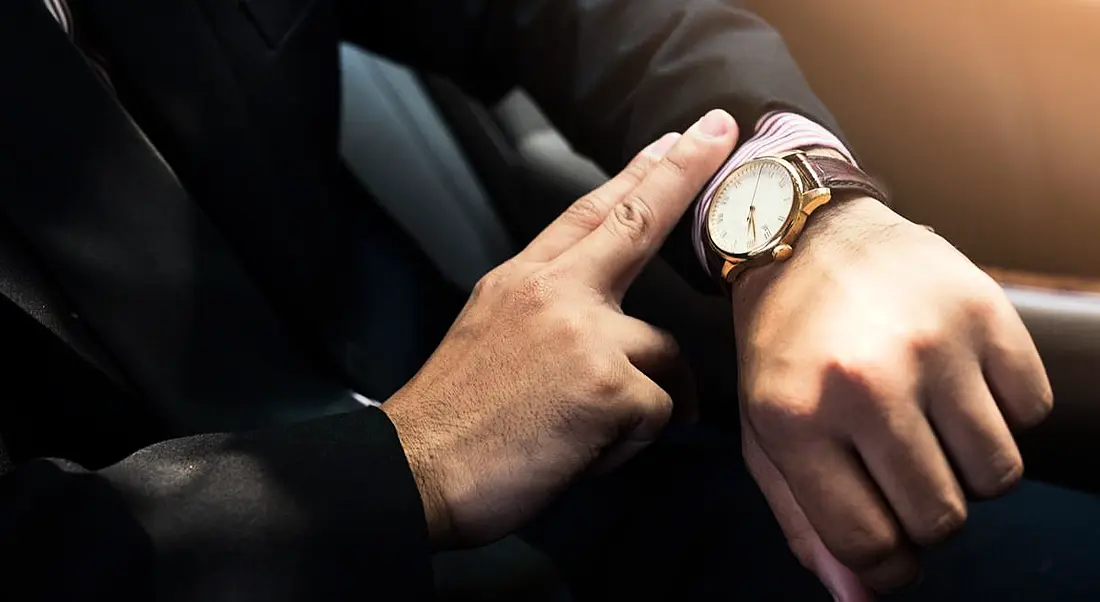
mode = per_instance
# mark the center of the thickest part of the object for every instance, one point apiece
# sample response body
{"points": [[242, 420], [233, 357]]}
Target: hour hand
{"points": [[752, 223]]}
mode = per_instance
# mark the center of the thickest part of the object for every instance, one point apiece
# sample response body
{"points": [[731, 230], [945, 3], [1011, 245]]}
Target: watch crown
{"points": [[782, 252]]}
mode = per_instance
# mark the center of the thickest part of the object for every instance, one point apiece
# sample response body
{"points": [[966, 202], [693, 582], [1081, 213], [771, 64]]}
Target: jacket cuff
{"points": [[326, 509]]}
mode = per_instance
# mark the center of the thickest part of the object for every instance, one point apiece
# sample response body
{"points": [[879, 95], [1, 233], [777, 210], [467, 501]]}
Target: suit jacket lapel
{"points": [[251, 131], [137, 258]]}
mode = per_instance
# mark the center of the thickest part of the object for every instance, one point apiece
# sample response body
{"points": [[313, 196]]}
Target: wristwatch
{"points": [[756, 213]]}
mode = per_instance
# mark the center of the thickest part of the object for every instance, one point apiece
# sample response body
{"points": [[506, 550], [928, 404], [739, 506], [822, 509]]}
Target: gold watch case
{"points": [[781, 246]]}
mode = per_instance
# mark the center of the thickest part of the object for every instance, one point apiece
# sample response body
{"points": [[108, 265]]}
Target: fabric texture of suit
{"points": [[227, 282]]}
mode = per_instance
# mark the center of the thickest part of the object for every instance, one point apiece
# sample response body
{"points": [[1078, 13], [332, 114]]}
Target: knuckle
{"points": [[1045, 404], [982, 308], [633, 218], [676, 164], [864, 547], [1003, 475], [571, 330], [951, 518], [861, 378], [490, 283], [924, 343], [667, 345], [587, 211], [637, 170], [605, 378], [650, 411], [1038, 410], [774, 415], [986, 303], [660, 408], [988, 286]]}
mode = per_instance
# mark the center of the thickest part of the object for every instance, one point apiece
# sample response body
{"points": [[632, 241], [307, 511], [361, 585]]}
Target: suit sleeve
{"points": [[613, 75], [326, 510]]}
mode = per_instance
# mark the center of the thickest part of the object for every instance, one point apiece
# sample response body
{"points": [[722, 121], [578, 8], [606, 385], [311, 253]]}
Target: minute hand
{"points": [[752, 205]]}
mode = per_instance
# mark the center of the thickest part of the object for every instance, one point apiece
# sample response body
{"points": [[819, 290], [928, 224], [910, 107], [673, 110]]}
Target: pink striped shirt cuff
{"points": [[776, 133]]}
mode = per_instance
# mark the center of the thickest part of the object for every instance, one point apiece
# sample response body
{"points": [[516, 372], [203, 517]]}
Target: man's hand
{"points": [[542, 374], [879, 367]]}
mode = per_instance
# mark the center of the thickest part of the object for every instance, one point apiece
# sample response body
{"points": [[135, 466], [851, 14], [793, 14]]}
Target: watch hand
{"points": [[752, 201], [752, 222], [752, 207]]}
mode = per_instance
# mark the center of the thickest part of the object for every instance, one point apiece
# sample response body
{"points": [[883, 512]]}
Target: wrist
{"points": [[848, 224], [850, 218], [427, 474], [776, 134]]}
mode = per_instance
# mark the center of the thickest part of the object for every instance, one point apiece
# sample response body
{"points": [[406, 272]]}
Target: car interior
{"points": [[973, 135], [979, 119]]}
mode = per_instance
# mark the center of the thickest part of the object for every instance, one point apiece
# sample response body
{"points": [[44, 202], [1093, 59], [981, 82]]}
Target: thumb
{"points": [[803, 540], [650, 408]]}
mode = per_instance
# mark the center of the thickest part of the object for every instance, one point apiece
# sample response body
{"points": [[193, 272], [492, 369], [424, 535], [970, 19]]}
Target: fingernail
{"points": [[659, 148], [715, 124]]}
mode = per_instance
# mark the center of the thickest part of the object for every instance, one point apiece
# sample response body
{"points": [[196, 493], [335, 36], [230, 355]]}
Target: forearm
{"points": [[327, 507], [629, 76], [613, 75]]}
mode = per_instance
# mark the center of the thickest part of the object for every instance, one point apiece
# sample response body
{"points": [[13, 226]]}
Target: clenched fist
{"points": [[881, 373], [542, 374]]}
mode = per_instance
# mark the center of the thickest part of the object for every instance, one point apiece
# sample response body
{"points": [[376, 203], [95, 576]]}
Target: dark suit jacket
{"points": [[221, 293]]}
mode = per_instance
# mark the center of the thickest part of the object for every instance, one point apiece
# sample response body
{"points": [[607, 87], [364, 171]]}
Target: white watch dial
{"points": [[751, 207]]}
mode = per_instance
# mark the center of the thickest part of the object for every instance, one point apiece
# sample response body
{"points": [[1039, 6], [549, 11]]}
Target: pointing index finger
{"points": [[611, 256], [589, 211]]}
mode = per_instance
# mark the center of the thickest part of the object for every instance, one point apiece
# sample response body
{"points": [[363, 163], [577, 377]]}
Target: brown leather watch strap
{"points": [[817, 171], [840, 176]]}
